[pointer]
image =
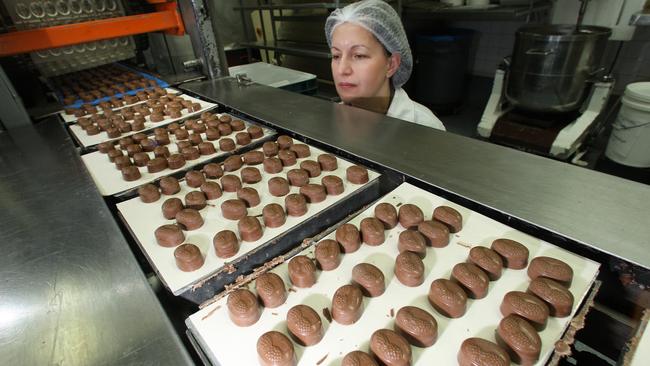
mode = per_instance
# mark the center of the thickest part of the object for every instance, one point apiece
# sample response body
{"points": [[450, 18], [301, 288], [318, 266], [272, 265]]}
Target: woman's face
{"points": [[360, 66]]}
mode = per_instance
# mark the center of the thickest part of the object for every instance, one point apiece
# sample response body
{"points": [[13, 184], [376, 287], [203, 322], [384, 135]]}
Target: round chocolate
{"points": [[230, 183], [347, 304], [296, 204], [226, 144], [301, 150], [284, 141], [243, 309], [255, 132], [304, 325], [327, 254], [271, 290], [234, 209], [156, 165], [206, 148], [212, 170], [273, 215], [409, 269], [410, 216], [272, 165], [130, 173], [211, 190], [195, 139], [212, 134], [250, 229], [479, 352], [298, 177], [527, 306], [189, 219], [333, 185], [356, 174], [449, 217], [520, 340], [105, 147], [327, 162], [275, 349], [124, 161], [169, 186], [311, 167], [302, 271], [557, 297], [369, 278], [176, 161], [161, 152], [133, 149], [188, 257], [194, 178], [243, 138], [372, 231], [112, 154], [472, 279], [287, 157], [278, 186], [171, 207], [551, 268], [417, 326], [349, 237], [387, 214], [250, 175], [447, 298], [435, 233], [514, 254], [390, 348], [488, 260], [225, 118], [253, 157], [237, 125], [249, 195], [148, 145], [314, 193], [169, 235], [358, 358], [270, 148], [195, 200], [190, 153], [412, 241], [225, 244], [232, 163]]}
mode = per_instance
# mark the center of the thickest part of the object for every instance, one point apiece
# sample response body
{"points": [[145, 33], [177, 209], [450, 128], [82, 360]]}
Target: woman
{"points": [[371, 60]]}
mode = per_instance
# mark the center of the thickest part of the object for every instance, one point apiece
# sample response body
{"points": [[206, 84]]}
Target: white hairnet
{"points": [[381, 20]]}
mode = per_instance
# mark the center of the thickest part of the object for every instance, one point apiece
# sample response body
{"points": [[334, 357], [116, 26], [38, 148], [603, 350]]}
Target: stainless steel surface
{"points": [[640, 19], [13, 110], [552, 66], [205, 40], [601, 211], [71, 290]]}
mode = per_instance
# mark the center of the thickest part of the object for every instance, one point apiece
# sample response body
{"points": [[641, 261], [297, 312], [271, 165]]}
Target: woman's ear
{"points": [[394, 60]]}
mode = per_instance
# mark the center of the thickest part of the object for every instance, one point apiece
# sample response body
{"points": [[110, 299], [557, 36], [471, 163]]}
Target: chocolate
{"points": [[169, 235], [449, 217], [232, 163], [412, 241], [250, 175], [243, 309], [124, 142], [169, 186], [472, 279], [287, 157], [301, 150], [514, 254], [181, 134], [189, 219], [105, 147], [148, 145], [390, 348], [557, 297], [123, 161], [250, 229], [296, 204], [92, 130], [148, 193], [225, 130], [273, 215], [271, 290], [194, 178], [195, 200], [284, 141], [314, 193], [225, 118], [298, 177], [480, 352], [243, 138], [249, 195], [358, 358], [372, 231], [130, 173], [234, 209], [369, 278], [488, 260], [112, 154], [278, 186], [417, 326], [387, 214], [347, 304], [409, 269], [226, 144], [275, 349], [302, 271], [255, 132], [237, 125], [304, 325], [212, 170], [551, 268], [175, 161], [327, 254], [212, 134], [206, 148], [327, 162], [527, 306], [188, 257], [133, 149], [225, 244], [349, 237], [311, 167], [410, 216], [253, 157], [195, 139], [161, 152], [272, 165], [333, 185], [156, 165], [230, 183], [211, 190], [171, 207], [356, 174], [447, 298], [270, 148], [435, 233], [190, 153], [520, 340]]}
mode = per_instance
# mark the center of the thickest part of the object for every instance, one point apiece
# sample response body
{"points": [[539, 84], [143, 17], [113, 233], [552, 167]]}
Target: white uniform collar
{"points": [[401, 106]]}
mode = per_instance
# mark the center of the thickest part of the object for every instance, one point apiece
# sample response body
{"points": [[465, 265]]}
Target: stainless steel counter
{"points": [[71, 292], [607, 213]]}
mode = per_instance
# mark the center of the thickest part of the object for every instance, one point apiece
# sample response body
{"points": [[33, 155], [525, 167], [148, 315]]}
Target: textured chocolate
{"points": [[520, 340], [488, 260], [148, 193], [369, 278], [347, 304], [189, 219], [358, 358], [302, 271], [480, 352], [327, 254], [472, 279], [249, 195], [313, 193], [243, 309], [372, 231], [557, 297], [171, 207], [387, 214], [513, 253], [230, 183], [298, 177], [412, 241], [527, 306], [225, 244], [169, 186], [356, 174], [275, 349], [188, 257], [436, 234], [278, 186], [551, 268], [327, 162], [296, 204], [271, 290], [195, 200], [450, 217], [234, 209], [409, 269], [169, 235], [274, 215], [333, 185], [349, 237], [410, 216], [272, 165], [417, 326], [447, 298], [304, 325], [390, 348]]}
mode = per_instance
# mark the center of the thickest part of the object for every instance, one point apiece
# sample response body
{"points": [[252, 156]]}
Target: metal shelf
{"points": [[292, 48], [429, 9]]}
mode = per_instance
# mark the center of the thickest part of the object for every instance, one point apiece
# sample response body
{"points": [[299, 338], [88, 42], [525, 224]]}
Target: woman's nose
{"points": [[344, 67]]}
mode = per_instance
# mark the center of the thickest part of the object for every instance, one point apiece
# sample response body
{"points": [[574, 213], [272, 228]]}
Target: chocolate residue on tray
{"points": [[229, 268], [211, 311], [291, 289], [327, 315], [322, 359], [398, 204], [392, 313], [463, 244]]}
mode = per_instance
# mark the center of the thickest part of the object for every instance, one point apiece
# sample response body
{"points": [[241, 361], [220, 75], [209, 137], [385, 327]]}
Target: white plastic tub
{"points": [[629, 143]]}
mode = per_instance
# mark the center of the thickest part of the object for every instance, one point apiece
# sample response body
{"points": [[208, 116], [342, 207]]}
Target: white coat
{"points": [[404, 108]]}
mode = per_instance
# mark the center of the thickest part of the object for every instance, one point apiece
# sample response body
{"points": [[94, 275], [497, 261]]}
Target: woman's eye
{"points": [[360, 56], [336, 57]]}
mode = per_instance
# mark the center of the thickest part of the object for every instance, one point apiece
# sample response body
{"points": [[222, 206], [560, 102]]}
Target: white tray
{"points": [[216, 333], [85, 140], [109, 180], [70, 118], [144, 218]]}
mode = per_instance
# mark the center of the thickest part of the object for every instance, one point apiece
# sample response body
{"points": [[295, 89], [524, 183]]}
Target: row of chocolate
{"points": [[99, 82], [89, 110]]}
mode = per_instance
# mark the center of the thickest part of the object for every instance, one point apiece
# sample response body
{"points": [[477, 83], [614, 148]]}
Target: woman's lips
{"points": [[346, 85]]}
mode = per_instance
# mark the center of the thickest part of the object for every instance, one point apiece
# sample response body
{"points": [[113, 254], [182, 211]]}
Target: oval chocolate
{"points": [[513, 253], [447, 298], [557, 297], [527, 306], [449, 217], [472, 279], [488, 260], [480, 352], [417, 326], [520, 339], [551, 268], [369, 278]]}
